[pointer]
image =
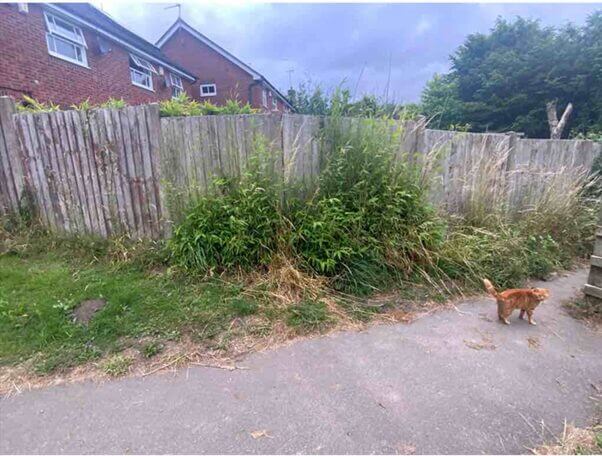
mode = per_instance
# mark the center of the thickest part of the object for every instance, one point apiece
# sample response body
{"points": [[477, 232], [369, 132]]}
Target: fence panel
{"points": [[94, 172], [127, 172]]}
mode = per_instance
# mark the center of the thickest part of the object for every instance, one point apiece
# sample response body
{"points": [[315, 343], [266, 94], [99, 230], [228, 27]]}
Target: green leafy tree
{"points": [[312, 99], [440, 102], [503, 80], [309, 99]]}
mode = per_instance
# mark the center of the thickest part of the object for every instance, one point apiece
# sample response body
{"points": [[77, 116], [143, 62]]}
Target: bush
{"points": [[237, 230], [183, 105], [29, 104], [369, 215], [366, 218]]}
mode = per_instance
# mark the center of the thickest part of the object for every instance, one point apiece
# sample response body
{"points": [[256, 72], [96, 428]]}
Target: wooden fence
{"points": [[112, 172]]}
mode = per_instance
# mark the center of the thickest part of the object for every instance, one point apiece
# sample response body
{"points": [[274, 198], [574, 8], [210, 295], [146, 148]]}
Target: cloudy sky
{"points": [[332, 43]]}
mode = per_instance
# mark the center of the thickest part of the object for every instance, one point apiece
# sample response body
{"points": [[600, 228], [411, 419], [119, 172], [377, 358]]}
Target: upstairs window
{"points": [[175, 82], [65, 40], [208, 90], [141, 72]]}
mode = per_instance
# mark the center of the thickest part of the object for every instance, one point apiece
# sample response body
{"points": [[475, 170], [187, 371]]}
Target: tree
{"points": [[440, 102], [557, 126], [504, 80], [311, 99]]}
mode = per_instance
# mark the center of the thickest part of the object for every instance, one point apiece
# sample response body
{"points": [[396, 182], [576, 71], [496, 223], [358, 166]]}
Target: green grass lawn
{"points": [[38, 294]]}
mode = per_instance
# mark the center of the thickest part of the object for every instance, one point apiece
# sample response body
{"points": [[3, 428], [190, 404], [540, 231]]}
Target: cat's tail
{"points": [[490, 289]]}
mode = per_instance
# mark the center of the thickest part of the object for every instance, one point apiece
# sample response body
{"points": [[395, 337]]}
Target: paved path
{"points": [[399, 388]]}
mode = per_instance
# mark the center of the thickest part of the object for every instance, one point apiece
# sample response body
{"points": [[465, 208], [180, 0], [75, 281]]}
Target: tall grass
{"points": [[503, 231], [367, 224]]}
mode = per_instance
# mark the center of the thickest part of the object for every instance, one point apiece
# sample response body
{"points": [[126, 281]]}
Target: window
{"points": [[175, 82], [264, 98], [143, 63], [141, 72], [274, 103], [65, 41], [208, 90]]}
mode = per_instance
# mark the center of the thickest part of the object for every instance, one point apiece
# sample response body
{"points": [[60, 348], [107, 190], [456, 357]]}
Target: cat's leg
{"points": [[504, 313], [522, 314], [502, 317], [530, 317]]}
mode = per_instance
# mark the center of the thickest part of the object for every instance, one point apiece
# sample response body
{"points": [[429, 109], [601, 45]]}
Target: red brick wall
{"points": [[210, 67], [27, 67]]}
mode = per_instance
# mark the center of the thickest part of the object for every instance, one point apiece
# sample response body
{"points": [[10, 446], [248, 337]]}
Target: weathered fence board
{"points": [[11, 167], [93, 172], [128, 172]]}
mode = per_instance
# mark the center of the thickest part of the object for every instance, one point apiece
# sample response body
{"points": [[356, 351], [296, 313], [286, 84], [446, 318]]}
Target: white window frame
{"points": [[76, 39], [214, 93], [143, 63], [177, 88], [145, 68]]}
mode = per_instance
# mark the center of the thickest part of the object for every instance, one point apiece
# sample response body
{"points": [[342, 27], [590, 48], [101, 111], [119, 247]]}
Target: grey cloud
{"points": [[333, 42]]}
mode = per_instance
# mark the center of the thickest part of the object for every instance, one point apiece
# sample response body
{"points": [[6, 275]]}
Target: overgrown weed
{"points": [[259, 259]]}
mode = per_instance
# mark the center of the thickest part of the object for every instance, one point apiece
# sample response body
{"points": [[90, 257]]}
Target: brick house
{"points": [[69, 52], [219, 75]]}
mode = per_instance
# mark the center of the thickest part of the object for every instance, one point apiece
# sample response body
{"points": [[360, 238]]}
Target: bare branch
{"points": [[564, 119], [557, 127]]}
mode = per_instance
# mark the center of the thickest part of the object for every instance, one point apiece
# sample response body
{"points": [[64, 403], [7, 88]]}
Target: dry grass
{"points": [[487, 189], [574, 440], [285, 283]]}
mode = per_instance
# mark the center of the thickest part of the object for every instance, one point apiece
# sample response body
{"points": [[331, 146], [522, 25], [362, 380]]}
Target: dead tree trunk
{"points": [[557, 126]]}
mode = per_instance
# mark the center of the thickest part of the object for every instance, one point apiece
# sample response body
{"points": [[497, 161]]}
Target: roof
{"points": [[94, 18], [181, 24]]}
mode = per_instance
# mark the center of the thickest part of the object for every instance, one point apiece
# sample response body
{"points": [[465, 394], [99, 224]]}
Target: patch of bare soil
{"points": [[84, 312]]}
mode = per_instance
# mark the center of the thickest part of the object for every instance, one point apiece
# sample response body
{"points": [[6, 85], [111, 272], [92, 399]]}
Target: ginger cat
{"points": [[525, 299]]}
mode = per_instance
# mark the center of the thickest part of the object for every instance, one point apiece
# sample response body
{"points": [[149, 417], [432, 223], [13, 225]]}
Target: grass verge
{"points": [[154, 317]]}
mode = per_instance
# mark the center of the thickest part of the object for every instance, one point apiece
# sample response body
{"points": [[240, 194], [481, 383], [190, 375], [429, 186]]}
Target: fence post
{"points": [[156, 143], [593, 287], [11, 167]]}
